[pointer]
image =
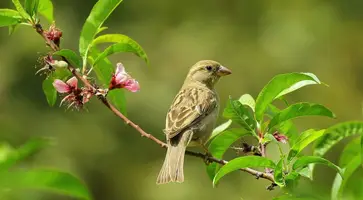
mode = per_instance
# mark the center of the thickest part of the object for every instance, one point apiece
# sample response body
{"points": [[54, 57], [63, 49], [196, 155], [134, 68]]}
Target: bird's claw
{"points": [[207, 161], [271, 187]]}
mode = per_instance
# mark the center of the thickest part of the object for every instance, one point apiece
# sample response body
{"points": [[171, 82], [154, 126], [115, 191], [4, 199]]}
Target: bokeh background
{"points": [[255, 39]]}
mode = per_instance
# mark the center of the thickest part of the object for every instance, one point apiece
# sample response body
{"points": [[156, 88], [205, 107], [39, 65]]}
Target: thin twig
{"points": [[130, 123], [246, 148], [256, 173], [143, 133], [263, 151]]}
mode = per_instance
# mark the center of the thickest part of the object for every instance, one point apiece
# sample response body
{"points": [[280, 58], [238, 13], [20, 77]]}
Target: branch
{"points": [[104, 100], [130, 123], [263, 150], [246, 148], [256, 173]]}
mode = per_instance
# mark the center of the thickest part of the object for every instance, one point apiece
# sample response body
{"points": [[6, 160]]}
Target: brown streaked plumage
{"points": [[191, 117]]}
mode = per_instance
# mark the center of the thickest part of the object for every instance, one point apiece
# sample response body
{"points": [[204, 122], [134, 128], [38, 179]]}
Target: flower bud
{"points": [[280, 137], [54, 34], [59, 64]]}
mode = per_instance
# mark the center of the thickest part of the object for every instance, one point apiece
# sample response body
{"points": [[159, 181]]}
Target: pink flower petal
{"points": [[132, 85], [280, 137], [61, 86], [120, 78], [120, 74], [73, 82], [120, 68], [49, 60]]}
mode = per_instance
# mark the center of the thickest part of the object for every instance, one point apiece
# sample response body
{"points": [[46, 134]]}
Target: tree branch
{"points": [[256, 173], [262, 147], [143, 133]]}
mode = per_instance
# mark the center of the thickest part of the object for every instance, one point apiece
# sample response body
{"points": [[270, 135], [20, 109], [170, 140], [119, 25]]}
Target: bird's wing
{"points": [[189, 107]]}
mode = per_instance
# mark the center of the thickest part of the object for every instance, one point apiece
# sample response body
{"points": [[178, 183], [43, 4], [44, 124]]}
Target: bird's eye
{"points": [[209, 68]]}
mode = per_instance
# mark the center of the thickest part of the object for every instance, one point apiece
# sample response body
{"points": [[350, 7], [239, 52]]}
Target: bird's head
{"points": [[207, 72]]}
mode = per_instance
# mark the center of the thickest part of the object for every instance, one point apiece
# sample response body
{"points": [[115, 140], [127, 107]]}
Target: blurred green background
{"points": [[255, 39]]}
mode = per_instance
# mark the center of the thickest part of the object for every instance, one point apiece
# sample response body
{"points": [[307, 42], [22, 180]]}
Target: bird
{"points": [[191, 117]]}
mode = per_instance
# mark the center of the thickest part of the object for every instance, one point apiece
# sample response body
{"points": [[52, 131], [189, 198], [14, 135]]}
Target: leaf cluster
{"points": [[267, 124]]}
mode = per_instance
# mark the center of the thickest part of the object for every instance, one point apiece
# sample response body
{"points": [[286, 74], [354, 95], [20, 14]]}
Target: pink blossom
{"points": [[132, 85], [86, 95], [76, 97], [67, 87], [121, 79], [73, 82], [61, 86], [53, 34], [120, 74], [48, 63], [280, 137], [48, 60]]}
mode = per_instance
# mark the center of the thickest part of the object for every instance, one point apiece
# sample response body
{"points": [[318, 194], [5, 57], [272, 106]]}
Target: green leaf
{"points": [[13, 28], [291, 180], [335, 134], [219, 129], [71, 56], [299, 110], [339, 183], [62, 74], [48, 180], [280, 85], [123, 44], [306, 172], [49, 91], [240, 114], [248, 100], [9, 17], [304, 140], [32, 146], [118, 99], [304, 161], [21, 10], [269, 138], [46, 9], [100, 12], [103, 69], [5, 151], [243, 162], [300, 82], [115, 48], [279, 173], [220, 145], [31, 6], [101, 30], [287, 127], [350, 151]]}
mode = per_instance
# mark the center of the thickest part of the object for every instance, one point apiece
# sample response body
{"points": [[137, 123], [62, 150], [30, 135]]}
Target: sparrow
{"points": [[191, 117]]}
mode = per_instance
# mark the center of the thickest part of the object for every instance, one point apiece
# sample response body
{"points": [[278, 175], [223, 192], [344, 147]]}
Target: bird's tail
{"points": [[172, 170]]}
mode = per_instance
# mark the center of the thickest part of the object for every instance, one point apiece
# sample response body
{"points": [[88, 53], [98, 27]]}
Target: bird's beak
{"points": [[223, 71]]}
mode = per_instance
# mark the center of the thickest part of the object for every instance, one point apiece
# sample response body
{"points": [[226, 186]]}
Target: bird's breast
{"points": [[203, 130]]}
